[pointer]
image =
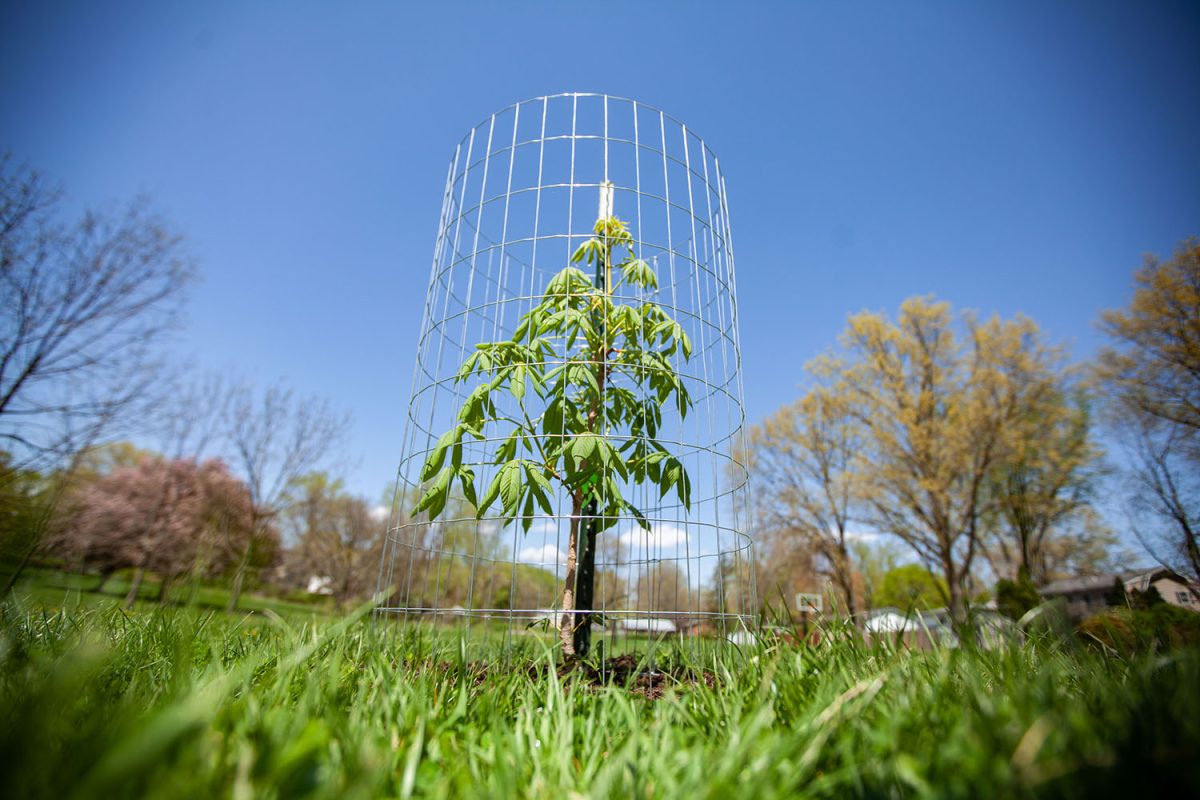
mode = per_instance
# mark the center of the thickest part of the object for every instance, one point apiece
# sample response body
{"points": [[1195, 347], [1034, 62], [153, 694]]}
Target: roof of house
{"points": [[1090, 583], [1135, 581]]}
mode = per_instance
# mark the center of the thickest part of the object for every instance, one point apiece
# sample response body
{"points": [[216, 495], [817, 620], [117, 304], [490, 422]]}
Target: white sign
{"points": [[808, 603]]}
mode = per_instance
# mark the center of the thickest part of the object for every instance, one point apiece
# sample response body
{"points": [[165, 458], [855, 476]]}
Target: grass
{"points": [[96, 702], [46, 587]]}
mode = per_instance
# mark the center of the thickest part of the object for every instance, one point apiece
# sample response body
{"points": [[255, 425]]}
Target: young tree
{"points": [[588, 372], [276, 437], [802, 462], [937, 409], [1151, 375]]}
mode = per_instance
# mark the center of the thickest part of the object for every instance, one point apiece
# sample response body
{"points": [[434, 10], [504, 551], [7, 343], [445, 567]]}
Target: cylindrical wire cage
{"points": [[522, 193]]}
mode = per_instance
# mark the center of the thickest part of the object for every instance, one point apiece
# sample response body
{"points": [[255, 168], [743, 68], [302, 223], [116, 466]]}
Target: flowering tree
{"points": [[167, 516]]}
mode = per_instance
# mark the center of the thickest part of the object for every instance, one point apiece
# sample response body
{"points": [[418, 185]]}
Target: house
{"points": [[1173, 588], [1091, 595], [1083, 596]]}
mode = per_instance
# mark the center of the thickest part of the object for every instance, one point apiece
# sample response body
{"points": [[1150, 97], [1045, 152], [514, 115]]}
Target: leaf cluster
{"points": [[578, 393]]}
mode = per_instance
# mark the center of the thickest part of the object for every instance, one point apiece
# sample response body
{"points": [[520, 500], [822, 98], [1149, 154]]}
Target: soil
{"points": [[626, 670]]}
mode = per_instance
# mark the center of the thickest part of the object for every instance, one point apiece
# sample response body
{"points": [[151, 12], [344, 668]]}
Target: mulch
{"points": [[626, 670]]}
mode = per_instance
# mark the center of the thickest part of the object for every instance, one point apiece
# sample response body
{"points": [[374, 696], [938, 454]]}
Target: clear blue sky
{"points": [[1015, 156]]}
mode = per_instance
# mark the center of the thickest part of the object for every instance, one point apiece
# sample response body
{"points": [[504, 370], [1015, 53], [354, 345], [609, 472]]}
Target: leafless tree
{"points": [[275, 437], [84, 307], [1151, 378]]}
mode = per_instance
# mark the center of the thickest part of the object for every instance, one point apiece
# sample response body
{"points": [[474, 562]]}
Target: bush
{"points": [[1148, 628], [1015, 598]]}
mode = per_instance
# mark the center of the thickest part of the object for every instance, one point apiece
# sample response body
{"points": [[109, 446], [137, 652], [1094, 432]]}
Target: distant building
{"points": [[320, 584], [651, 625], [1087, 596]]}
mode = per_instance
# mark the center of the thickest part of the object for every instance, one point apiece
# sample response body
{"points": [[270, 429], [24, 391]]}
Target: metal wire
{"points": [[520, 195]]}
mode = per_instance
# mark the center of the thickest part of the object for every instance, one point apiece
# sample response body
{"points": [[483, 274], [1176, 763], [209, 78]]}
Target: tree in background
{"points": [[911, 587], [806, 482], [84, 305], [937, 407], [1044, 483], [335, 536], [1151, 376], [276, 437], [168, 516], [874, 558], [663, 587], [601, 372]]}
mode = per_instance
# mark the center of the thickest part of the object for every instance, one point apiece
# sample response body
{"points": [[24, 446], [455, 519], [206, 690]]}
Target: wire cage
{"points": [[524, 189]]}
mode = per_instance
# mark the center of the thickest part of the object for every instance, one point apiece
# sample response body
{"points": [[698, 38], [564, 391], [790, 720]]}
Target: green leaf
{"points": [[510, 487], [438, 456], [527, 513], [434, 500], [466, 478], [516, 383], [489, 497]]}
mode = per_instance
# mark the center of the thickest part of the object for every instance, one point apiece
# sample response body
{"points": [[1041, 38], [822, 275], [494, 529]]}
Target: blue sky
{"points": [[1008, 157]]}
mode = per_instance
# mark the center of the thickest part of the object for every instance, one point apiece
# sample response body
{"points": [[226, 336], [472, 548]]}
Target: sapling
{"points": [[589, 372]]}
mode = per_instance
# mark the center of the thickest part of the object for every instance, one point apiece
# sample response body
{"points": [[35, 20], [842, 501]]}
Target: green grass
{"points": [[45, 587], [95, 702]]}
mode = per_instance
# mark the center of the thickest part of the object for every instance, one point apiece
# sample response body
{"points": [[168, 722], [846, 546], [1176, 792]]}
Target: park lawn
{"points": [[46, 587], [97, 702]]}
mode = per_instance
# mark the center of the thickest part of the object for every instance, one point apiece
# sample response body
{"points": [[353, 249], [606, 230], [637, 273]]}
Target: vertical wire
{"points": [[512, 157], [662, 129], [398, 499], [718, 265], [637, 185], [462, 211], [687, 163], [447, 260], [462, 348], [537, 212], [736, 327]]}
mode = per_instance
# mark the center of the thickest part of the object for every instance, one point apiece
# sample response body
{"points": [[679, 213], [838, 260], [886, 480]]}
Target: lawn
{"points": [[46, 587], [175, 702]]}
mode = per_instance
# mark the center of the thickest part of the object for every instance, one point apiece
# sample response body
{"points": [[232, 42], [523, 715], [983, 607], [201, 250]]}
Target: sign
{"points": [[808, 603]]}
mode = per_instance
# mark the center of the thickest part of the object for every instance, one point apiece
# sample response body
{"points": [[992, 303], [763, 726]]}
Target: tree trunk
{"points": [[104, 576], [566, 625], [135, 587], [239, 577], [163, 588], [235, 591]]}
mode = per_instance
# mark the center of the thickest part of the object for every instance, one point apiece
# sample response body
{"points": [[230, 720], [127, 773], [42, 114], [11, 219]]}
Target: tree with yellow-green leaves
{"points": [[1043, 487], [802, 461], [940, 406], [1151, 375]]}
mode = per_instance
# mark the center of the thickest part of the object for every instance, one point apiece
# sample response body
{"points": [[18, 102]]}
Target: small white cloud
{"points": [[660, 536], [380, 513], [545, 555]]}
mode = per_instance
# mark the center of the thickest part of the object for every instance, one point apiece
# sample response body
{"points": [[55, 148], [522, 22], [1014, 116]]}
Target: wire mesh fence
{"points": [[524, 190]]}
